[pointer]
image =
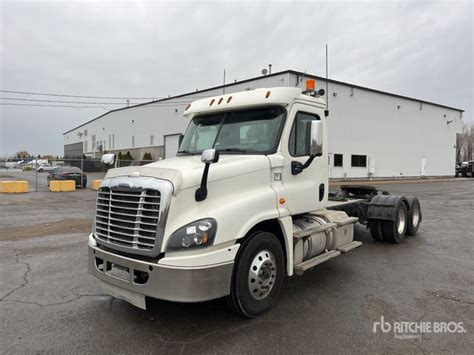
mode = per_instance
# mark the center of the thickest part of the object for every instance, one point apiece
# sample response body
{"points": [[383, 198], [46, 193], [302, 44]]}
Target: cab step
{"points": [[349, 246], [308, 264]]}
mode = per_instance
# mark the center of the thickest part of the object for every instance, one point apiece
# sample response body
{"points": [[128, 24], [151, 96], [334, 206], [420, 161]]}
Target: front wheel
{"points": [[258, 275]]}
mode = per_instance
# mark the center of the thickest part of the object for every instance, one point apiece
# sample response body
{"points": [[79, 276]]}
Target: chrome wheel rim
{"points": [[262, 274], [415, 216], [401, 220]]}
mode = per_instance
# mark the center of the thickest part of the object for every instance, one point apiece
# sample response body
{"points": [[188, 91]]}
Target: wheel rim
{"points": [[262, 274], [415, 216], [401, 220]]}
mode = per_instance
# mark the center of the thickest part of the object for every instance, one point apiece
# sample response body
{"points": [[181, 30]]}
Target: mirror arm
{"points": [[297, 167], [201, 192]]}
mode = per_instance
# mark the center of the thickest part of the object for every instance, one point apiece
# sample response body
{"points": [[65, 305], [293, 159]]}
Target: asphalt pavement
{"points": [[49, 303]]}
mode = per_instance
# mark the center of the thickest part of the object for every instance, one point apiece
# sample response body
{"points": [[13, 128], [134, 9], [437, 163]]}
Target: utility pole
{"points": [[327, 79]]}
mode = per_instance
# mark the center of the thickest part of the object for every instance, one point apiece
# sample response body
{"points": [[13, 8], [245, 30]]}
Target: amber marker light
{"points": [[282, 200], [310, 84]]}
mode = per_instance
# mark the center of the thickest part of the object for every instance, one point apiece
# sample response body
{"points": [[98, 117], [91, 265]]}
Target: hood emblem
{"points": [[136, 173]]}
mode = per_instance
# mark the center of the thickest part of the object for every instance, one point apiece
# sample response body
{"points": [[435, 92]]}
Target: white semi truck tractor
{"points": [[244, 203]]}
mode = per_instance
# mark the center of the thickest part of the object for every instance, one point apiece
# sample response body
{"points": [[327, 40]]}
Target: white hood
{"points": [[186, 171]]}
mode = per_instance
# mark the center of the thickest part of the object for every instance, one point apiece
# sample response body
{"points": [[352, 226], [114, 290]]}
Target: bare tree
{"points": [[465, 143], [469, 142]]}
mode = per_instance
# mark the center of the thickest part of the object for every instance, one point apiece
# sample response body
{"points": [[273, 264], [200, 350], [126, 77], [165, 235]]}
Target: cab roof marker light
{"points": [[187, 107], [230, 98], [212, 101], [220, 100], [267, 95]]}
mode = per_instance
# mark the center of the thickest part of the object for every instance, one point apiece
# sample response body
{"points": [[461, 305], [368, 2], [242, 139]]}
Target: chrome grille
{"points": [[128, 217]]}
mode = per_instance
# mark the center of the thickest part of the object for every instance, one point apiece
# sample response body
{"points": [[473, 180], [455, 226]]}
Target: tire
{"points": [[40, 170], [414, 215], [375, 227], [394, 231], [257, 276]]}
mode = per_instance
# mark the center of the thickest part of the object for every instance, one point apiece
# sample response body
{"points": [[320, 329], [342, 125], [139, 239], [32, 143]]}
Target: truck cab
{"points": [[244, 203]]}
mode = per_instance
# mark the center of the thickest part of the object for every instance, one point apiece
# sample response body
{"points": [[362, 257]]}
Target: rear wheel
{"points": [[414, 218], [258, 275], [394, 231], [375, 227]]}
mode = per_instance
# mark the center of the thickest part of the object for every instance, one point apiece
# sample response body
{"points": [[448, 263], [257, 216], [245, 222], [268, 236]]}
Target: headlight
{"points": [[198, 234]]}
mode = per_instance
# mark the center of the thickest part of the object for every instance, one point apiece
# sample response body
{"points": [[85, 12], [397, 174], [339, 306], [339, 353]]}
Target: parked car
{"points": [[465, 169], [45, 167], [69, 173]]}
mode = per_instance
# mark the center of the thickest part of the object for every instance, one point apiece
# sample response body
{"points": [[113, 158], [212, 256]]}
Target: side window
{"points": [[338, 160], [300, 133]]}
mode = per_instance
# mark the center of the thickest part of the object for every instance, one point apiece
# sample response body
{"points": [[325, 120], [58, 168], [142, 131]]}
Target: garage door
{"points": [[171, 145]]}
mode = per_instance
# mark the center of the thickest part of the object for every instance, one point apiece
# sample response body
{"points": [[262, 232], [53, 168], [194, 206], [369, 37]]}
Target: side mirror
{"points": [[108, 159], [314, 146], [316, 139], [210, 156]]}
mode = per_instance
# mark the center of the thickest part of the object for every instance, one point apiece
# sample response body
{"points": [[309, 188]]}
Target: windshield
{"points": [[254, 131]]}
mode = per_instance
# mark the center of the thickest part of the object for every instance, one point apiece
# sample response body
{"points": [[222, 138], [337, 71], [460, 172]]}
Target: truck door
{"points": [[306, 191]]}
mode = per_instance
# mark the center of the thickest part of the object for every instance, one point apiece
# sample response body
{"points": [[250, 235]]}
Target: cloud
{"points": [[152, 49]]}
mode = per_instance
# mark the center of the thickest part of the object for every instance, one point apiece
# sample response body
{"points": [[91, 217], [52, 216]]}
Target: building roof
{"points": [[266, 76]]}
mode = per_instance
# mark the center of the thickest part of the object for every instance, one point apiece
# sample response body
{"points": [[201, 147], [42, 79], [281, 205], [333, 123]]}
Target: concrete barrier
{"points": [[96, 184], [62, 185], [13, 187]]}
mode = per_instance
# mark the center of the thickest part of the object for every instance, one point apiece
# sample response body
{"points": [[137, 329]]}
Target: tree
{"points": [[147, 156], [22, 154], [465, 144]]}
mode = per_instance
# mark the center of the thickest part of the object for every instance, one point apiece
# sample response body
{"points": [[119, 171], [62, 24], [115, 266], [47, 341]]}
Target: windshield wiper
{"points": [[236, 150], [185, 152]]}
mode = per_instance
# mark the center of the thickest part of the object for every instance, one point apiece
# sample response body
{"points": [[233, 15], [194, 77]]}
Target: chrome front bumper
{"points": [[141, 278]]}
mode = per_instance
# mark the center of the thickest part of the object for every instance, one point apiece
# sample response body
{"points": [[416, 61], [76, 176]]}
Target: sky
{"points": [[153, 49]]}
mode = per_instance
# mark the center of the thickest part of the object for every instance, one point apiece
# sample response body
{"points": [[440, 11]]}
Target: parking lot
{"points": [[49, 303]]}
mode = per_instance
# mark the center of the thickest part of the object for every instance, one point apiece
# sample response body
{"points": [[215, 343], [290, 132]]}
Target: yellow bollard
{"points": [[96, 184], [13, 187], [62, 185]]}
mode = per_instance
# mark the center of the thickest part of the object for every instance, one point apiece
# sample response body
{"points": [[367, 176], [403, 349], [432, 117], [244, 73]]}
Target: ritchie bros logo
{"points": [[416, 329]]}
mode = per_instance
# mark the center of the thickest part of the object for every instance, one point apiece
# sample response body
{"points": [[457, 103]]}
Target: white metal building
{"points": [[371, 133]]}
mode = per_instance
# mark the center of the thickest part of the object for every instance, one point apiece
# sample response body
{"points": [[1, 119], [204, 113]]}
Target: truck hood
{"points": [[186, 171]]}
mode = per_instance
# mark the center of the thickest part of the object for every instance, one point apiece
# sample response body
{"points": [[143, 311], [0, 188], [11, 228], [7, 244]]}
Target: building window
{"points": [[85, 133], [133, 141], [110, 141], [359, 161], [298, 144], [93, 142], [113, 140], [85, 146], [338, 160], [152, 139]]}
